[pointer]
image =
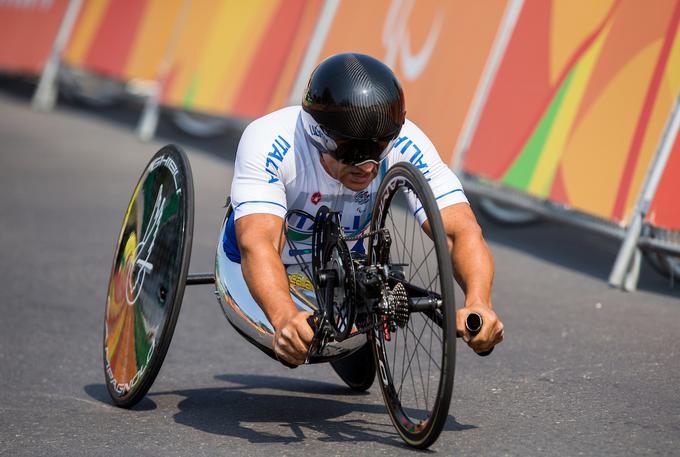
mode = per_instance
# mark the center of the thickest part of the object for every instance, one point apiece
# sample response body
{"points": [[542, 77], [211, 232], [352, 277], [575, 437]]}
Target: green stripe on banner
{"points": [[190, 96], [520, 173]]}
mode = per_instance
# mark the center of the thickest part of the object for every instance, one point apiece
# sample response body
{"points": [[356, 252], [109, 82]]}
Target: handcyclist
{"points": [[332, 151]]}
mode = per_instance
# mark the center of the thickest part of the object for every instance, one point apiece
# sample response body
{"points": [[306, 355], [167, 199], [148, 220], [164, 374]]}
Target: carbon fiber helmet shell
{"points": [[358, 104]]}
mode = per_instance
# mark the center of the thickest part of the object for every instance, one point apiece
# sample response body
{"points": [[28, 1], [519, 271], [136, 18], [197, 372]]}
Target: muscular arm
{"points": [[473, 266], [260, 241]]}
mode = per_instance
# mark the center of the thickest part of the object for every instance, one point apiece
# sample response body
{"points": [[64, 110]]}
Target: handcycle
{"points": [[396, 295]]}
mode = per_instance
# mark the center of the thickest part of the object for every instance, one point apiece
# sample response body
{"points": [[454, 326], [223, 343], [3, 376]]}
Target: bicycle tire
{"points": [[417, 429], [148, 276]]}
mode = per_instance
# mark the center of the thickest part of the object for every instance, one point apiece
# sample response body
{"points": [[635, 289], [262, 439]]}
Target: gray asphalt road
{"points": [[584, 370]]}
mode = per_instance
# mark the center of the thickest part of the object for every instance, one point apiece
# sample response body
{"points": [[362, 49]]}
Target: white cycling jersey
{"points": [[278, 169]]}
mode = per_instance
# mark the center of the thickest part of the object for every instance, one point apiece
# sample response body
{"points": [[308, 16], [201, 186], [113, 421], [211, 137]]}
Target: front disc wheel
{"points": [[148, 275]]}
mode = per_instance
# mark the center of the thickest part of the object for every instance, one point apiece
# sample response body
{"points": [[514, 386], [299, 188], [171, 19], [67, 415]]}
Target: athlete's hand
{"points": [[292, 338], [489, 335]]}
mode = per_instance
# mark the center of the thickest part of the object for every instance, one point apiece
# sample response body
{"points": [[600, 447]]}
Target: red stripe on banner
{"points": [[256, 93], [558, 192], [568, 67], [528, 72], [169, 81], [111, 46], [650, 98], [27, 33], [523, 84], [664, 211]]}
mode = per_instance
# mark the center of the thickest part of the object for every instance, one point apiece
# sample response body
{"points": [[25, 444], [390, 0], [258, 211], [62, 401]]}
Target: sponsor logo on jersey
{"points": [[316, 197], [300, 226], [300, 280], [362, 197]]}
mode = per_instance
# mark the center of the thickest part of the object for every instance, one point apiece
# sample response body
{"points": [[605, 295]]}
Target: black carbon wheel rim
{"points": [[416, 365], [148, 276]]}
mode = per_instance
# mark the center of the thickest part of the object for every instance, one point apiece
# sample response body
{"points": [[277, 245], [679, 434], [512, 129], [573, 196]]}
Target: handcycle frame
{"points": [[245, 315]]}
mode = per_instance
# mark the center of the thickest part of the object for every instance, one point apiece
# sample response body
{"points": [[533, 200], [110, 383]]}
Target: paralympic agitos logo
{"points": [[140, 266]]}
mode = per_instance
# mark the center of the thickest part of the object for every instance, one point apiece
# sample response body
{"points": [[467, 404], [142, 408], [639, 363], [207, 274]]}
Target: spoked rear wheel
{"points": [[415, 359]]}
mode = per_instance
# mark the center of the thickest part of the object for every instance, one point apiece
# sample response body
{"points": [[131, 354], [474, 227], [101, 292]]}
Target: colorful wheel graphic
{"points": [[148, 276]]}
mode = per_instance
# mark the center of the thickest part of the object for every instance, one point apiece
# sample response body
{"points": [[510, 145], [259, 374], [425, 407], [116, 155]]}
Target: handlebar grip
{"points": [[312, 321], [473, 324]]}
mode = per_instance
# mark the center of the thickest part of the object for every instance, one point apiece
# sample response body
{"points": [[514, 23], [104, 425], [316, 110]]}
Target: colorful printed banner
{"points": [[580, 101], [664, 211], [230, 57], [27, 32], [240, 58], [437, 48], [123, 39]]}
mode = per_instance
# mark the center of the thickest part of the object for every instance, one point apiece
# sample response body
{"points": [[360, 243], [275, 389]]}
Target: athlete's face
{"points": [[353, 177]]}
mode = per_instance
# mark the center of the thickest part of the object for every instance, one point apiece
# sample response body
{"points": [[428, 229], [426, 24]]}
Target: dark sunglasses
{"points": [[353, 151]]}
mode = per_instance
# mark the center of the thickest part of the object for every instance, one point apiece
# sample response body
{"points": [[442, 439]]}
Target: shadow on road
{"points": [[271, 418], [288, 385], [253, 409]]}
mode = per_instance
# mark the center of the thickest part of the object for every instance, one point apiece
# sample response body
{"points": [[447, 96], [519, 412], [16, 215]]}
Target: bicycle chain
{"points": [[364, 235]]}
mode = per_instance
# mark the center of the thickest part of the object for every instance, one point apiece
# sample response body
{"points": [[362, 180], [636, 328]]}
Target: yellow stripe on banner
{"points": [[91, 15], [673, 66], [153, 36], [544, 173], [229, 50], [597, 151], [570, 24], [186, 57]]}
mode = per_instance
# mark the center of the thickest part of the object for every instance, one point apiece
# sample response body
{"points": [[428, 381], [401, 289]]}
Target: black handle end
{"points": [[474, 323]]}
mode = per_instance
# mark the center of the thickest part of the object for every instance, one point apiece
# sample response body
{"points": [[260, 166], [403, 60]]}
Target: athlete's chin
{"points": [[358, 182]]}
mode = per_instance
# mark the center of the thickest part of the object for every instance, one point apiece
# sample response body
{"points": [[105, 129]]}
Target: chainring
{"points": [[333, 271], [342, 306]]}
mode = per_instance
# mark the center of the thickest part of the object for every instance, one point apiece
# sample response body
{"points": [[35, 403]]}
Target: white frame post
{"points": [[626, 269], [148, 122], [45, 96], [314, 48], [503, 35]]}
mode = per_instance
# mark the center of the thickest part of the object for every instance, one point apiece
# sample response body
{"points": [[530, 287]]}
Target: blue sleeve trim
{"points": [[262, 201], [441, 196], [229, 242], [383, 169]]}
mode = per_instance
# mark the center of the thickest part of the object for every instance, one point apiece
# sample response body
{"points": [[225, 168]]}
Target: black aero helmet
{"points": [[353, 108]]}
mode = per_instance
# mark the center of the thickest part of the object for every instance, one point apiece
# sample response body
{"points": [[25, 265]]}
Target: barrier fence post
{"points": [[148, 122], [627, 265], [45, 95], [507, 26]]}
